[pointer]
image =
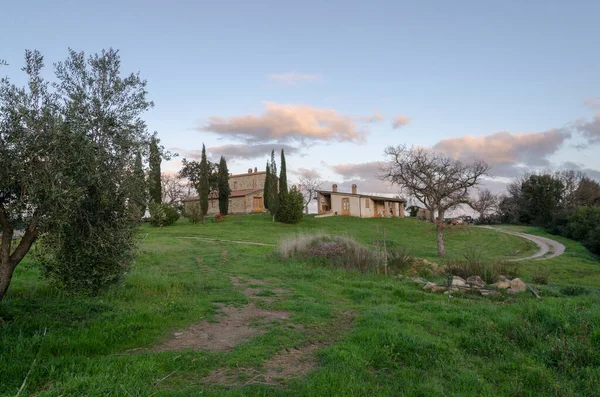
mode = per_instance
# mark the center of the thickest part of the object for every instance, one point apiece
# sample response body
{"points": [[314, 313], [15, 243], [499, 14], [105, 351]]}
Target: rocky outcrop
{"points": [[516, 286], [459, 282], [476, 281]]}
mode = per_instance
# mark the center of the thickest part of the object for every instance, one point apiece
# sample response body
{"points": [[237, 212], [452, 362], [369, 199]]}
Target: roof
{"points": [[248, 174], [394, 199], [234, 193]]}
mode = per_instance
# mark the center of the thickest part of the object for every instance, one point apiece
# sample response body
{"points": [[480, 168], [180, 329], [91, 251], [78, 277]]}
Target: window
{"points": [[367, 204], [212, 203], [234, 185]]}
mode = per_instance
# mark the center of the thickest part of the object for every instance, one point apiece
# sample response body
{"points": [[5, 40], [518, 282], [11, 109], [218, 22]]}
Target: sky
{"points": [[515, 83]]}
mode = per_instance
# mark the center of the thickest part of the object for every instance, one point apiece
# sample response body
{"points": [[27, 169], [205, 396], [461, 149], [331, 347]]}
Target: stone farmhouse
{"points": [[360, 205], [247, 192]]}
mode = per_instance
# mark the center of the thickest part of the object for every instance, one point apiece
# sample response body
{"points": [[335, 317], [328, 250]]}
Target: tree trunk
{"points": [[440, 234], [306, 209], [8, 261]]}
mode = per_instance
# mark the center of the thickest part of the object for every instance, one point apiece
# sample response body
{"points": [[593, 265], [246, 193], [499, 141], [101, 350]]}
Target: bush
{"points": [[163, 215], [291, 207], [473, 265], [399, 260], [540, 277], [336, 251], [220, 218], [192, 213], [582, 224], [573, 290]]}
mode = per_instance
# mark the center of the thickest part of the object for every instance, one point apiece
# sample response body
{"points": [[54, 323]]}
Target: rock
{"points": [[486, 292], [476, 281], [433, 287], [516, 286], [502, 278], [459, 282], [501, 285], [418, 280]]}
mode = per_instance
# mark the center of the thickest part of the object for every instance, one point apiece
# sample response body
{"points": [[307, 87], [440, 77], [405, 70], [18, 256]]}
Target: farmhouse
{"points": [[247, 192], [360, 205]]}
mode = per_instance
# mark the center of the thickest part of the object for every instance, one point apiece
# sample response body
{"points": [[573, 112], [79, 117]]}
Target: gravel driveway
{"points": [[547, 248]]}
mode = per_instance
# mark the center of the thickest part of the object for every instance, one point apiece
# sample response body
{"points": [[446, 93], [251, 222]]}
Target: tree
{"points": [[540, 198], [204, 185], [588, 192], [273, 192], [154, 182], [283, 186], [66, 161], [485, 203], [290, 207], [172, 188], [267, 185], [138, 196], [224, 189], [439, 182], [309, 185]]}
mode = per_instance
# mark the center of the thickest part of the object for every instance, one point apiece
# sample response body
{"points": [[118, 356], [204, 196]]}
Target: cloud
{"points": [[377, 117], [363, 171], [283, 122], [591, 130], [311, 173], [589, 172], [592, 102], [250, 151], [400, 121], [505, 151], [292, 79]]}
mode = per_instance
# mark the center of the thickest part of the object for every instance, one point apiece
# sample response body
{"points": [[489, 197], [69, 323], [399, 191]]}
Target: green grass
{"points": [[402, 341]]}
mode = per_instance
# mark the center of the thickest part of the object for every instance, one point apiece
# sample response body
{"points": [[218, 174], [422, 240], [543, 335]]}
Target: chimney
{"points": [[249, 170], [255, 170], [354, 189], [334, 188]]}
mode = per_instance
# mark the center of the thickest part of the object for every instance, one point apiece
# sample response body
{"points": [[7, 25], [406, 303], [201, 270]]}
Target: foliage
{"points": [[192, 212], [485, 203], [203, 184], [283, 185], [66, 161], [472, 264], [335, 251], [267, 186], [540, 199], [220, 218], [138, 197], [541, 276], [173, 189], [413, 210], [163, 215], [154, 182], [291, 207], [191, 170], [224, 189], [581, 224], [399, 259], [272, 194]]}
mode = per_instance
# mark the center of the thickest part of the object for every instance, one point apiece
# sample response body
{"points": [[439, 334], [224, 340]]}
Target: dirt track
{"points": [[548, 248]]}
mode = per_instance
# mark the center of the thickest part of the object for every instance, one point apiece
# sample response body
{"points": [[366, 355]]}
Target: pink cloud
{"points": [[400, 121]]}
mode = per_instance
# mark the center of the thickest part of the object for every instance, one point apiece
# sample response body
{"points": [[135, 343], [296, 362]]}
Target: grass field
{"points": [[372, 335]]}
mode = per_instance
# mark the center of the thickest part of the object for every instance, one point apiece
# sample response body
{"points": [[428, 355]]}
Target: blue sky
{"points": [[521, 78]]}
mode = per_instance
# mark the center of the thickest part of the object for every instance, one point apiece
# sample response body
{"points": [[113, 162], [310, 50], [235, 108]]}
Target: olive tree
{"points": [[67, 152], [441, 183]]}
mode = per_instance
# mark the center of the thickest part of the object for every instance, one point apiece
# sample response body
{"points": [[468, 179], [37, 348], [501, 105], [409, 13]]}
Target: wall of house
{"points": [[367, 212], [255, 180]]}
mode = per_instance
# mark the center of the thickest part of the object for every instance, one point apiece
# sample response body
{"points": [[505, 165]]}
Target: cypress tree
{"points": [[273, 189], [283, 187], [267, 186], [138, 195], [224, 189], [154, 187], [203, 186]]}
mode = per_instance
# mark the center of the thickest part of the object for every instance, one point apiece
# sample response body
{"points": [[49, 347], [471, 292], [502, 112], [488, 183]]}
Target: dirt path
{"points": [[228, 241], [548, 248]]}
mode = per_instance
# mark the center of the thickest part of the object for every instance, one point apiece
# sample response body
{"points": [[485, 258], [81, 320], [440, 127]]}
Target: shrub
{"points": [[399, 260], [540, 277], [220, 218], [336, 251], [163, 215], [582, 224], [291, 207], [192, 213], [473, 265]]}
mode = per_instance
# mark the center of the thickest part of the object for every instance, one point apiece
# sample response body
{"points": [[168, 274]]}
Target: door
{"points": [[257, 205], [345, 206]]}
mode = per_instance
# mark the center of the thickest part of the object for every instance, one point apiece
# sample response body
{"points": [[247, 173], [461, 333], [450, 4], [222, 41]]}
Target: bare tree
{"points": [[485, 203], [173, 189], [439, 182], [309, 184]]}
